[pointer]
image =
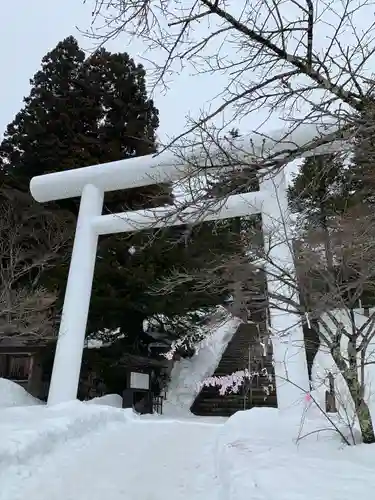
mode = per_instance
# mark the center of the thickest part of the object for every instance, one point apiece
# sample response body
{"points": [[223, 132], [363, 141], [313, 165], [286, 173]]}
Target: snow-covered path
{"points": [[81, 451], [115, 464]]}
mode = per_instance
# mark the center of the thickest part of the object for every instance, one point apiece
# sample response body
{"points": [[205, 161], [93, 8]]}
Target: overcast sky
{"points": [[29, 29]]}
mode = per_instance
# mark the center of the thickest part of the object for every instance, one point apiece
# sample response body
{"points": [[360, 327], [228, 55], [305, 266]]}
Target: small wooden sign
{"points": [[139, 381]]}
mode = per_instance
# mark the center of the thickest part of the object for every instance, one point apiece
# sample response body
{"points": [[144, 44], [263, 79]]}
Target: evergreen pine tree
{"points": [[320, 190], [318, 194], [361, 175]]}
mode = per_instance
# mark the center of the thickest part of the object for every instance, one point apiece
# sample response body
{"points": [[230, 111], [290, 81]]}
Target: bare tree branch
{"points": [[32, 240]]}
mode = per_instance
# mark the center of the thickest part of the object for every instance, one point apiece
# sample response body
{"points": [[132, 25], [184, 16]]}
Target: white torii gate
{"points": [[90, 183]]}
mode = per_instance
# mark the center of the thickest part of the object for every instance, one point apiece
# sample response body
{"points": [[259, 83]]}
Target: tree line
{"points": [[86, 110]]}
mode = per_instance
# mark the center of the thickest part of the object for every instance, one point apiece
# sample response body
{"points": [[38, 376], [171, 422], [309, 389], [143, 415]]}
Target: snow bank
{"points": [[12, 394], [187, 374], [257, 457], [113, 400], [32, 431]]}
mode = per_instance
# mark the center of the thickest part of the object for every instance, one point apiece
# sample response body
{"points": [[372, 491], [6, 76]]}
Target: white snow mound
{"points": [[113, 400], [267, 454], [12, 394], [29, 432]]}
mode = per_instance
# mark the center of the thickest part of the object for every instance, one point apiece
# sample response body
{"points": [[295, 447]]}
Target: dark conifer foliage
{"points": [[89, 110]]}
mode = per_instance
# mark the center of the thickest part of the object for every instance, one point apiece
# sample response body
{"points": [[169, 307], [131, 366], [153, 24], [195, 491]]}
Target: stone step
{"points": [[255, 392], [256, 388], [239, 360], [221, 411], [235, 402], [239, 366], [224, 368], [238, 406]]}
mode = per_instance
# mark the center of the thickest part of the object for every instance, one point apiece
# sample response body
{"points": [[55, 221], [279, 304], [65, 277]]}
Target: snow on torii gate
{"points": [[90, 183]]}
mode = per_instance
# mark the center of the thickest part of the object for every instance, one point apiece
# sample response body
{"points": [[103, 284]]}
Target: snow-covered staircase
{"points": [[236, 357]]}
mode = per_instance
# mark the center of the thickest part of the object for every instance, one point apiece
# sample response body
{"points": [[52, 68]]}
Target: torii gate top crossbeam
{"points": [[163, 167]]}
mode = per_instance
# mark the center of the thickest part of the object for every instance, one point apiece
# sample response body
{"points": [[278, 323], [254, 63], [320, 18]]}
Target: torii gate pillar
{"points": [[70, 344], [288, 343]]}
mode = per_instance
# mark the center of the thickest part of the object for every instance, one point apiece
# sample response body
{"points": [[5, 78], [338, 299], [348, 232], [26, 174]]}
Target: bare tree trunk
{"points": [[350, 374], [361, 407], [356, 390]]}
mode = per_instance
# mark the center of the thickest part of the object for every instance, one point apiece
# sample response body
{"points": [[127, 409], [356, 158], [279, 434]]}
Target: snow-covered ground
{"points": [[90, 452], [81, 451], [261, 458]]}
